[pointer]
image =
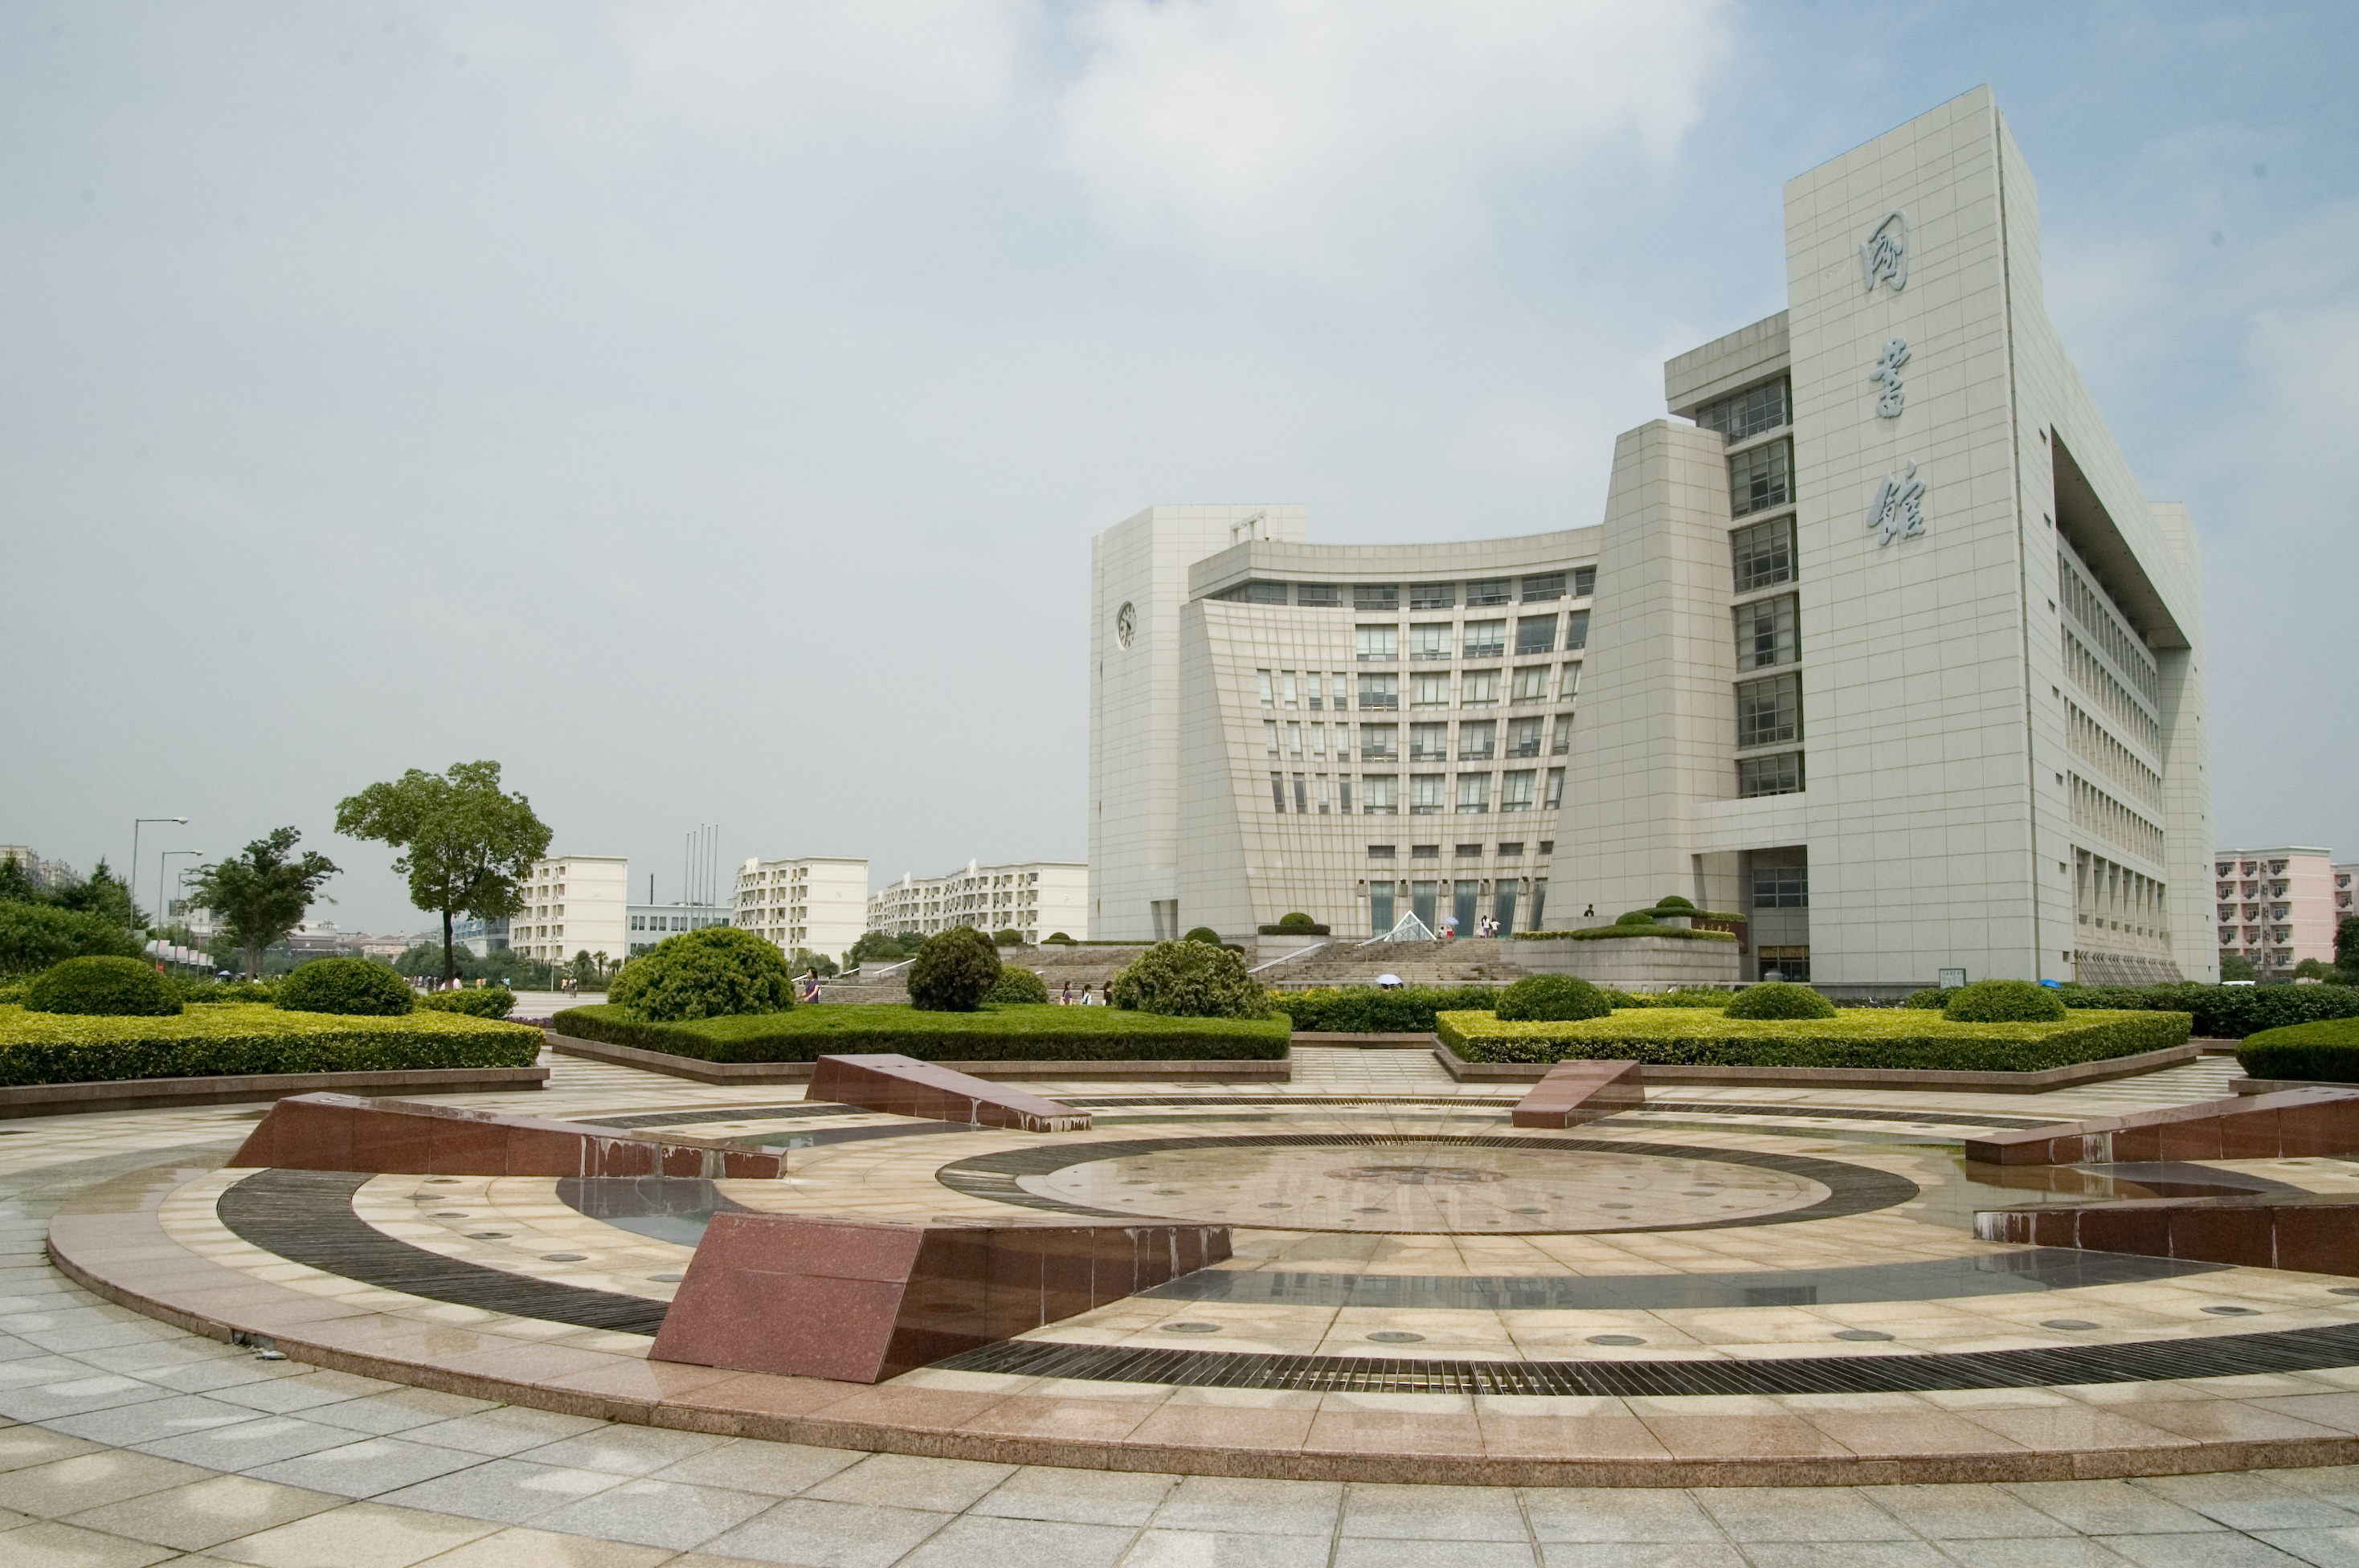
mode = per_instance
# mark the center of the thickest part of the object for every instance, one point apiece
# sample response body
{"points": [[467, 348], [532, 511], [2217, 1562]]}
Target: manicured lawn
{"points": [[1030, 1032], [225, 1038], [1856, 1037]]}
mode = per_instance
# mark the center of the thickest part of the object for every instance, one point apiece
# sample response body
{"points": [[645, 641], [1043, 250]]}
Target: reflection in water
{"points": [[669, 1209]]}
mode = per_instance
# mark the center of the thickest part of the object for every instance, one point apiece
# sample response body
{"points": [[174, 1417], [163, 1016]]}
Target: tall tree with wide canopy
{"points": [[264, 894], [464, 842]]}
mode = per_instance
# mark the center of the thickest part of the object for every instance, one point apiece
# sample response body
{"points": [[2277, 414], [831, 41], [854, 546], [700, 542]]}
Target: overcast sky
{"points": [[703, 409]]}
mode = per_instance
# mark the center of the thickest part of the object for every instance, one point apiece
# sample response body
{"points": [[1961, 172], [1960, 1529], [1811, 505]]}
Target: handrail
{"points": [[1290, 957]]}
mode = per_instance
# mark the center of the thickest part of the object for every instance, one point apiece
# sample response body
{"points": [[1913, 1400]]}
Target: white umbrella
{"points": [[1388, 979]]}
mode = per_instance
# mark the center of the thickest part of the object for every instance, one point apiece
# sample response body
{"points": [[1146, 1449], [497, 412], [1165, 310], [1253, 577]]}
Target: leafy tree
{"points": [[17, 886], [102, 894], [2346, 942], [264, 894], [2316, 969], [954, 971], [2236, 966], [464, 841], [874, 944], [35, 935], [803, 958]]}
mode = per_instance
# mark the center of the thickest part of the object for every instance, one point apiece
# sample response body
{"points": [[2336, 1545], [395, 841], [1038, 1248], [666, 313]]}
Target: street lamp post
{"points": [[133, 878], [162, 912]]}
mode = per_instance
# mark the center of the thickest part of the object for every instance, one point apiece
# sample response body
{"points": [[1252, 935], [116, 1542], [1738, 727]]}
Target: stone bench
{"points": [[1575, 1092]]}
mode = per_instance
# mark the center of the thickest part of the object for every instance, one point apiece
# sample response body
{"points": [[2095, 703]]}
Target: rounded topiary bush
{"points": [[1017, 984], [2004, 1002], [1189, 980], [1779, 998], [360, 987], [117, 988], [1933, 997], [1010, 937], [2323, 1052], [1296, 918], [954, 971], [1205, 933], [1674, 901], [1635, 917], [1059, 937], [720, 971], [481, 1001], [1553, 999]]}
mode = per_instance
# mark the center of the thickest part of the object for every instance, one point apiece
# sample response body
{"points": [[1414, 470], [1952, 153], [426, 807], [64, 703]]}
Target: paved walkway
{"points": [[134, 1444]]}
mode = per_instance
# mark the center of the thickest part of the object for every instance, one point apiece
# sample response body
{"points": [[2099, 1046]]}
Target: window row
{"points": [[1426, 794], [1762, 554], [1523, 685], [1387, 902], [1511, 850], [1744, 415], [1779, 773], [1534, 588], [2111, 629], [1472, 639], [1760, 477], [1478, 740], [1768, 632]]}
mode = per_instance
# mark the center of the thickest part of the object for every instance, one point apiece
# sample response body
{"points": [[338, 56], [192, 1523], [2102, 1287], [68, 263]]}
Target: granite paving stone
{"points": [[49, 1544], [510, 1490], [367, 1468], [813, 1533], [205, 1513], [657, 1513]]}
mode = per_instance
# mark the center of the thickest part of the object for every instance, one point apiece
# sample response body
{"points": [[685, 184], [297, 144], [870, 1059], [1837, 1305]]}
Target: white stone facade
{"points": [[814, 902], [1887, 650], [573, 903], [1034, 898]]}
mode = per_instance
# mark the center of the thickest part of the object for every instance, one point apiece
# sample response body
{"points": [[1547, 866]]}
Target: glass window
{"points": [[1264, 593], [1781, 887], [1765, 633], [1763, 553], [1778, 774], [1340, 694], [1379, 691], [1511, 850], [1769, 712], [1515, 788], [1286, 687], [1319, 741], [1468, 851], [1485, 639], [1465, 894], [1535, 634], [1433, 596], [1267, 698], [1576, 630], [1482, 689], [1428, 691], [1420, 902], [1380, 852], [1379, 794], [1376, 642], [1319, 595], [1269, 735], [1474, 793], [1379, 742], [1503, 907], [1748, 413], [1531, 683], [1425, 793], [1543, 585], [1490, 591], [1319, 793], [1428, 640], [1380, 908], [1572, 687], [1555, 789], [1428, 742], [1376, 596], [1478, 741], [1294, 741], [1425, 852], [1300, 803], [1343, 794], [1313, 688], [1523, 737], [1539, 903], [1277, 791], [1758, 479], [1584, 581]]}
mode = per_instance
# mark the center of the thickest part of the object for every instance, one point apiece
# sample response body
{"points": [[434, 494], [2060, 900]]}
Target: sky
{"points": [[703, 408]]}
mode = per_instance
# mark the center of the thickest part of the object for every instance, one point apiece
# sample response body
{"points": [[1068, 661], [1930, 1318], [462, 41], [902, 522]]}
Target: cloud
{"points": [[1340, 139]]}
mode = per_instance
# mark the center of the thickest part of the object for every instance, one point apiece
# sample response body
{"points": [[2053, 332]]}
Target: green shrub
{"points": [[1635, 917], [720, 971], [2225, 1012], [1555, 997], [1854, 1037], [1932, 997], [11, 992], [1308, 928], [475, 1002], [35, 935], [1059, 937], [1017, 985], [992, 1033], [358, 988], [1370, 1010], [1604, 932], [1296, 917], [2323, 1052], [954, 971], [239, 1037], [1630, 999], [227, 990], [1188, 979], [1010, 937], [1689, 998], [1674, 901], [1779, 998], [109, 988], [2003, 1001], [1203, 934]]}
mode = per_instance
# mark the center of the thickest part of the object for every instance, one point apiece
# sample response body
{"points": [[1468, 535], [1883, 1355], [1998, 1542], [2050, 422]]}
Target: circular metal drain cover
{"points": [[1192, 1328], [1616, 1339], [564, 1256], [1396, 1336], [2069, 1323], [1861, 1334]]}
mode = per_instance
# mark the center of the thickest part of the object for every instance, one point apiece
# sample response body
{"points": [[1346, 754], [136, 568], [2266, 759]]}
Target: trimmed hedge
{"points": [[486, 1001], [2004, 1002], [1854, 1037], [227, 990], [1369, 1010], [1932, 997], [1303, 927], [2323, 1052], [345, 988], [708, 973], [1203, 934], [952, 972], [1018, 985], [2225, 1012], [107, 988], [995, 1033], [1554, 998], [1777, 999], [238, 1037], [1601, 933]]}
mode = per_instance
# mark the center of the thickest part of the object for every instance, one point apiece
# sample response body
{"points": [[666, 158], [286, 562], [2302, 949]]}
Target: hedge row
{"points": [[2325, 1051], [1600, 932], [1368, 1010], [996, 1032], [227, 1038], [1856, 1037], [2225, 1012]]}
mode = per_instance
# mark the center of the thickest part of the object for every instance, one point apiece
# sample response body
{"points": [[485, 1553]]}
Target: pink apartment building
{"points": [[2277, 907]]}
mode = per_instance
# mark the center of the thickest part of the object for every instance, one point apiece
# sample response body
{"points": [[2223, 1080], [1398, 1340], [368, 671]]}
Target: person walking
{"points": [[1066, 997]]}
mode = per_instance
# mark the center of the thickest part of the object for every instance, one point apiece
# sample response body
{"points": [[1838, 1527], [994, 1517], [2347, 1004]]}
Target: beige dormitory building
{"points": [[814, 903], [1033, 898], [1877, 641], [2277, 907]]}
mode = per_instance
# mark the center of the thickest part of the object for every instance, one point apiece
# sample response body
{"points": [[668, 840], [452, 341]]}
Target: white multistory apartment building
{"points": [[816, 902], [652, 923], [573, 903], [2277, 907], [1034, 899], [1877, 640]]}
